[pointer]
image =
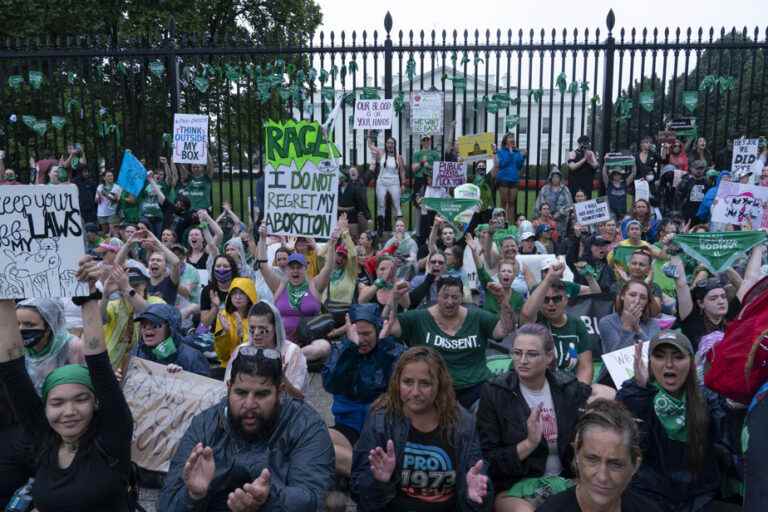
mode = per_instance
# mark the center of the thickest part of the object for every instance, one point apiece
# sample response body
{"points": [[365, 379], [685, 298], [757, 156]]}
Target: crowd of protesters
{"points": [[399, 327]]}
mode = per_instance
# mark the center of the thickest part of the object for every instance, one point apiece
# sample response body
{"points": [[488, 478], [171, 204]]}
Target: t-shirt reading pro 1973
{"points": [[464, 353]]}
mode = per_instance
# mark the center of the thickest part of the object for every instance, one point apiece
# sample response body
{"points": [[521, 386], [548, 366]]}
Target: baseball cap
{"points": [[180, 248], [297, 257], [113, 244], [543, 228], [498, 212], [674, 338], [156, 313], [341, 250], [136, 271], [526, 235], [599, 240], [91, 227]]}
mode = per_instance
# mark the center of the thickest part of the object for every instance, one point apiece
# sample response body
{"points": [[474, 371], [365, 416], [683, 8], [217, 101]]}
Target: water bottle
{"points": [[21, 501]]}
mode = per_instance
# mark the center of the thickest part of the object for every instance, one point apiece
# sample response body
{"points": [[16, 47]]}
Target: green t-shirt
{"points": [[150, 203], [464, 353], [570, 341], [169, 192], [199, 192], [130, 211], [430, 155], [491, 304]]}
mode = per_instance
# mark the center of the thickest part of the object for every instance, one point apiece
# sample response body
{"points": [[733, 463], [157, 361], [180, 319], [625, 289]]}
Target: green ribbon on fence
{"points": [[40, 127], [370, 93], [105, 129], [718, 250], [574, 87], [399, 103], [410, 69], [58, 122], [352, 66], [502, 99], [201, 84], [646, 100], [561, 83], [512, 122], [29, 120], [167, 140], [157, 68], [690, 100], [15, 81], [72, 104], [536, 94], [35, 79], [624, 107]]}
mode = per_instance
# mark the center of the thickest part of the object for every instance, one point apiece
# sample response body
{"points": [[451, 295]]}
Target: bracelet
{"points": [[80, 301]]}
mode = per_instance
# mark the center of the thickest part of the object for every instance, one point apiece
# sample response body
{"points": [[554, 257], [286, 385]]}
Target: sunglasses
{"points": [[557, 299]]}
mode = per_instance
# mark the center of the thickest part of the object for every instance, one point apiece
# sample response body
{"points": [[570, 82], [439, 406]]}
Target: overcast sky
{"points": [[494, 14]]}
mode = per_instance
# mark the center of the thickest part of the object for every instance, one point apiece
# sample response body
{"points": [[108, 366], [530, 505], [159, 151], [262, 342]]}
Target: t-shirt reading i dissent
{"points": [[464, 352], [571, 340], [428, 475]]}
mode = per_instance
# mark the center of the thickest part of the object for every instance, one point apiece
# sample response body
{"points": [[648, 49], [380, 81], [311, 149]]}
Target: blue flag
{"points": [[132, 174]]}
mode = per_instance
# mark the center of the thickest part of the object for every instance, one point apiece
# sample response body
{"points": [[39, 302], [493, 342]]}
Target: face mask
{"points": [[165, 350], [222, 275], [649, 178], [32, 337]]}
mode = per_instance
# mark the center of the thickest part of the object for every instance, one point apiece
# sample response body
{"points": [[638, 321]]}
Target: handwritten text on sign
{"points": [[621, 363], [373, 114], [427, 113], [744, 154], [448, 174], [301, 187], [190, 139], [592, 211], [41, 240], [741, 204], [163, 405]]}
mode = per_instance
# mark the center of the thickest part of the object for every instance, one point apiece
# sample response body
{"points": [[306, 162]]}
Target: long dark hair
{"points": [[394, 143], [232, 265]]}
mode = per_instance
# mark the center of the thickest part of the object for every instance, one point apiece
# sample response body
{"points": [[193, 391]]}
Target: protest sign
{"points": [[190, 139], [448, 174], [427, 113], [592, 211], [466, 191], [621, 363], [132, 174], [740, 204], [373, 114], [41, 241], [163, 405], [476, 147], [534, 262], [745, 153], [718, 250], [613, 160], [450, 208], [301, 179], [642, 190]]}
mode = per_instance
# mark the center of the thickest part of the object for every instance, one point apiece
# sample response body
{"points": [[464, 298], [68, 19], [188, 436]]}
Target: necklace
{"points": [[71, 446]]}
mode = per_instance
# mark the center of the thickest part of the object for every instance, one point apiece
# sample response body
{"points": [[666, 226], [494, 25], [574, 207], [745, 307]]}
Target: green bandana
{"points": [[449, 208], [671, 414], [718, 250], [502, 234], [296, 293], [69, 374], [165, 349], [336, 275]]}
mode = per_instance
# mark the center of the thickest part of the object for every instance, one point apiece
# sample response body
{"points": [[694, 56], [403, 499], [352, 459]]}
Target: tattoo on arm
{"points": [[93, 343]]}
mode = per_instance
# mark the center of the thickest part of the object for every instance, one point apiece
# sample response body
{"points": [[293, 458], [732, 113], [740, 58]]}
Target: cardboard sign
{"points": [[741, 204], [448, 174], [373, 114], [613, 160], [301, 180], [163, 405], [592, 211], [621, 363], [132, 174], [41, 241], [190, 139], [476, 147], [642, 190], [745, 153], [427, 113]]}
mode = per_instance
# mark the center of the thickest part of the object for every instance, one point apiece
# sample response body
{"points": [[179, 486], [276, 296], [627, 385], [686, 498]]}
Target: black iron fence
{"points": [[547, 87]]}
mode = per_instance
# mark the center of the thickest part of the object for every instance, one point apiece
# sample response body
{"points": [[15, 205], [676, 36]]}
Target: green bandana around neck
{"points": [[296, 293], [68, 374], [337, 274], [165, 350], [671, 414]]}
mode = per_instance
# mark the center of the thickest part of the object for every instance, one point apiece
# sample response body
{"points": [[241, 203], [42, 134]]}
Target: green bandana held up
{"points": [[69, 374], [718, 250], [671, 414], [296, 293]]}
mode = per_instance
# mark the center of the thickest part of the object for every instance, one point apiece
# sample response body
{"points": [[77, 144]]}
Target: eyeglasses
{"points": [[259, 353], [530, 356], [557, 299]]}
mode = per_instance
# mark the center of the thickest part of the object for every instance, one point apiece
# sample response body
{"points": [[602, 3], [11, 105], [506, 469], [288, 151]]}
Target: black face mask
{"points": [[32, 337]]}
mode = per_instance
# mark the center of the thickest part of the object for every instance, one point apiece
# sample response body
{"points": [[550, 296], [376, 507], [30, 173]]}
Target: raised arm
{"points": [[209, 167], [158, 192], [684, 299], [173, 261], [270, 277], [753, 272], [535, 301], [324, 276]]}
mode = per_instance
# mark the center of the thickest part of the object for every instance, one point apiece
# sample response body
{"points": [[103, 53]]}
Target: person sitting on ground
{"points": [[621, 253], [203, 243], [691, 191], [640, 268], [557, 196], [164, 269], [424, 286], [672, 153], [356, 373], [406, 248], [526, 420], [649, 225], [81, 428], [508, 250], [607, 456], [546, 217], [633, 318], [231, 327], [544, 235], [214, 294], [679, 469], [458, 333], [419, 449], [529, 244], [380, 291], [47, 344], [594, 256], [547, 305], [162, 341], [258, 449], [343, 280]]}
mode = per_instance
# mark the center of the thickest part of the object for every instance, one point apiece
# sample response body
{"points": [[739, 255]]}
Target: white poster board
{"points": [[190, 139], [448, 174], [41, 241], [642, 190], [427, 113], [621, 363], [741, 204], [534, 262], [744, 155], [373, 114], [163, 405], [592, 211]]}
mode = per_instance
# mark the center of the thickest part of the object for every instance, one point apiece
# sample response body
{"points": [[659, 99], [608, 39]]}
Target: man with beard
{"points": [[256, 450]]}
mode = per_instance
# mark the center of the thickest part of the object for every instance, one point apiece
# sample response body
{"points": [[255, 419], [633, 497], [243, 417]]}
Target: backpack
{"points": [[739, 363]]}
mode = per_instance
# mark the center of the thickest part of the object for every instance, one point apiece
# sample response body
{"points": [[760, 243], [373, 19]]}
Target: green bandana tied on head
{"points": [[69, 374], [671, 414], [296, 293]]}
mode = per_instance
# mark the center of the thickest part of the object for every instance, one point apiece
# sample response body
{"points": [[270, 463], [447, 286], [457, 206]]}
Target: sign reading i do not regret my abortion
{"points": [[302, 179]]}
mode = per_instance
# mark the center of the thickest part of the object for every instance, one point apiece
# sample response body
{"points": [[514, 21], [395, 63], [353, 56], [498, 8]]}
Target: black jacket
{"points": [[502, 418], [354, 196], [690, 189], [664, 476]]}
